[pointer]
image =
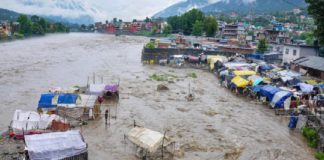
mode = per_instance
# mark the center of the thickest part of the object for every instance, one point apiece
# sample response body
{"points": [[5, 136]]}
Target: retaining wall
{"points": [[163, 53]]}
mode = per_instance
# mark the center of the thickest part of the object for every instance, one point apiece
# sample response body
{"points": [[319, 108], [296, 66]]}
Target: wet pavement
{"points": [[216, 125]]}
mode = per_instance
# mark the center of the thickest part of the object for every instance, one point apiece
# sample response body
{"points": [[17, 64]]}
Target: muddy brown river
{"points": [[216, 125]]}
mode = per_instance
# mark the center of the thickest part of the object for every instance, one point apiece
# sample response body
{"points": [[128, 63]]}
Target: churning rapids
{"points": [[216, 125]]}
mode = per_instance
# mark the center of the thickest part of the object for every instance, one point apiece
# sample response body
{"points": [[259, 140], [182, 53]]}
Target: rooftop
{"points": [[313, 62]]}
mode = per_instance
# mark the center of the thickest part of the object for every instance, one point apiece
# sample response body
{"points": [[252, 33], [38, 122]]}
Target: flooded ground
{"points": [[216, 125]]}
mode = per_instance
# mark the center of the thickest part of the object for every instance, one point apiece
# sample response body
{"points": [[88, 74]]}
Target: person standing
{"points": [[106, 116]]}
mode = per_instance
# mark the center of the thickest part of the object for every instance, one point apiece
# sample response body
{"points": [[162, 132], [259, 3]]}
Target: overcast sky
{"points": [[107, 9]]}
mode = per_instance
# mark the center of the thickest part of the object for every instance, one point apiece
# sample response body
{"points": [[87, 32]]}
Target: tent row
{"points": [[280, 88]]}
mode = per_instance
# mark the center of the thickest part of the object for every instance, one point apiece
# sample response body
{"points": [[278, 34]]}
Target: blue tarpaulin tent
{"points": [[319, 85], [255, 56], [305, 87], [45, 101], [67, 98], [279, 98], [256, 88], [265, 67], [269, 91]]}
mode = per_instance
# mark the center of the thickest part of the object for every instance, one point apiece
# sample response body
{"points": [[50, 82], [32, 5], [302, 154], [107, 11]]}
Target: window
{"points": [[295, 52], [287, 51]]}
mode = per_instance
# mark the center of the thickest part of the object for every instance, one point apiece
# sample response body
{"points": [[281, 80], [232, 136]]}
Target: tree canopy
{"points": [[167, 29], [194, 22], [198, 28], [36, 25], [262, 46], [211, 26], [316, 9]]}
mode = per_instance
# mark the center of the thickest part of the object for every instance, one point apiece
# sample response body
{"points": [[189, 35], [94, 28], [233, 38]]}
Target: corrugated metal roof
{"points": [[313, 62]]}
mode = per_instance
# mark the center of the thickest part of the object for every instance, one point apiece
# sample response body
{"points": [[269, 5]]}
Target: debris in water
{"points": [[190, 97], [234, 154], [183, 109], [192, 75], [162, 87]]}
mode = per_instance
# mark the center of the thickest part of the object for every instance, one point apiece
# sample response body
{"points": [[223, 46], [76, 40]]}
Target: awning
{"points": [[240, 82], [255, 79], [279, 98], [29, 120], [147, 139], [88, 101], [45, 101], [56, 145], [307, 88], [111, 88], [269, 91], [244, 73], [97, 89]]}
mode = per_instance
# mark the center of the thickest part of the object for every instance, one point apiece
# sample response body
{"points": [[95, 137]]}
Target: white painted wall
{"points": [[290, 56]]}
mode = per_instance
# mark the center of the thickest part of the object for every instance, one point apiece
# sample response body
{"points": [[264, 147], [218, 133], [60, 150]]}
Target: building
{"points": [[111, 28], [292, 52], [5, 29], [278, 34], [233, 31], [312, 66]]}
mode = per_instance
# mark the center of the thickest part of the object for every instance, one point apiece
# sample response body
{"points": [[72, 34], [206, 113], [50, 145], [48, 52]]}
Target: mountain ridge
{"points": [[73, 11], [240, 6]]}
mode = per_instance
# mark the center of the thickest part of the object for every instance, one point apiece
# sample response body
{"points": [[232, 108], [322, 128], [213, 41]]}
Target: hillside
{"points": [[8, 15], [241, 6], [72, 11]]}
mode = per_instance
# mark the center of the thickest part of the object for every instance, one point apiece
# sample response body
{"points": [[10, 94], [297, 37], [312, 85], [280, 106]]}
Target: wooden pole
{"points": [[94, 78], [88, 82], [163, 143], [116, 108], [109, 116], [189, 88]]}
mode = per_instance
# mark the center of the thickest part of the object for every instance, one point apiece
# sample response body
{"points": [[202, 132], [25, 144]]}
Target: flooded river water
{"points": [[216, 125]]}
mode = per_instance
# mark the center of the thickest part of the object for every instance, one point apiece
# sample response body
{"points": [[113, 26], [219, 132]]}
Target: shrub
{"points": [[192, 75], [319, 155], [18, 35], [150, 45], [311, 136]]}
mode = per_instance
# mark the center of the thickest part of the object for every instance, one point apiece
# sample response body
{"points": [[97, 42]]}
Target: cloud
{"points": [[100, 10]]}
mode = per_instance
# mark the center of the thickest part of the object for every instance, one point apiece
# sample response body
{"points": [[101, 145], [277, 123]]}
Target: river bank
{"points": [[216, 125]]}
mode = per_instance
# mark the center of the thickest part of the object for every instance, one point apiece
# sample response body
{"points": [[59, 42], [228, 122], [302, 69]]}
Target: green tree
{"points": [[262, 46], [34, 19], [154, 30], [175, 22], [261, 21], [59, 27], [167, 29], [25, 25], [308, 37], [316, 9], [147, 19], [37, 29], [211, 26], [115, 20], [188, 19], [150, 45], [42, 22], [198, 28]]}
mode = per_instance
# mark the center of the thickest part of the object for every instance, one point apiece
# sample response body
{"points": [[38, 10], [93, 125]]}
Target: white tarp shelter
{"points": [[28, 120], [97, 89], [87, 101], [147, 139], [54, 146]]}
